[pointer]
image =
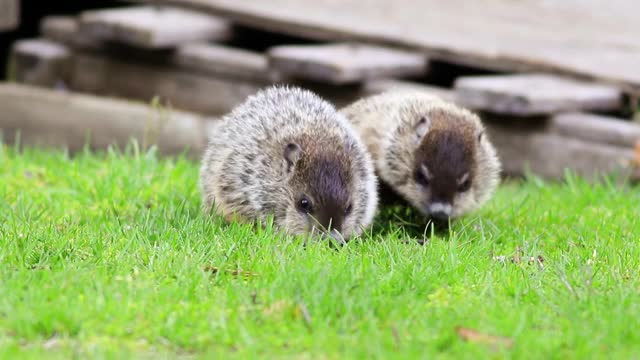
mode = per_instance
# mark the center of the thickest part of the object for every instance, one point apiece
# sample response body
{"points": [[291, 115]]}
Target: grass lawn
{"points": [[109, 256]]}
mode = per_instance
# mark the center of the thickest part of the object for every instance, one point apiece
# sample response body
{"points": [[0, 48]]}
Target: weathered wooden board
{"points": [[9, 14], [595, 39], [550, 155], [100, 74], [378, 86], [66, 30], [225, 61], [535, 94], [153, 27], [207, 58], [40, 62], [56, 119], [596, 129], [177, 78], [343, 63]]}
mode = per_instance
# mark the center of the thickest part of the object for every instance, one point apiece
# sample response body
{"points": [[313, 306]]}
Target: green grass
{"points": [[108, 255]]}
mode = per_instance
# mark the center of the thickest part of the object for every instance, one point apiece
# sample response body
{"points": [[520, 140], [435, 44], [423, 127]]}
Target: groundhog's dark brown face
{"points": [[443, 171], [431, 152], [321, 189], [324, 198]]}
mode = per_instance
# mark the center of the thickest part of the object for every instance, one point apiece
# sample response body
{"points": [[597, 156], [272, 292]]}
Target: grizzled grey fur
{"points": [[289, 154], [433, 153]]}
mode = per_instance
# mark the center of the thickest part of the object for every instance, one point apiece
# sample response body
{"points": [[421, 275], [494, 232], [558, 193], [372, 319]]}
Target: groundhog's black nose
{"points": [[440, 211], [334, 226], [440, 216], [329, 222], [337, 238]]}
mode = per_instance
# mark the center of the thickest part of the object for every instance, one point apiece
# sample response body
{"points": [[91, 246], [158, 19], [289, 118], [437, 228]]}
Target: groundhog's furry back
{"points": [[287, 153]]}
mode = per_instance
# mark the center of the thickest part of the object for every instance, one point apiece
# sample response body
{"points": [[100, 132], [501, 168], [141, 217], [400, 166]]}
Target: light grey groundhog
{"points": [[288, 154], [432, 153]]}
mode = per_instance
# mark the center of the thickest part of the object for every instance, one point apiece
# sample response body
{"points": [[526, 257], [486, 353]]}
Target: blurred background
{"points": [[32, 12], [556, 91]]}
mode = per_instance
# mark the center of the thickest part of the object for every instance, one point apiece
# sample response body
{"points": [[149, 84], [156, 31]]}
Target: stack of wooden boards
{"points": [[9, 14], [197, 61]]}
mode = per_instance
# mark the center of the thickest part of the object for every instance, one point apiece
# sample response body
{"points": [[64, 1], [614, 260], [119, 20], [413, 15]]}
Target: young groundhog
{"points": [[432, 153], [289, 154]]}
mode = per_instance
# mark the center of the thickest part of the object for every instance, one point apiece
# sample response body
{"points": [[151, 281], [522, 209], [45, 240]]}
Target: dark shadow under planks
{"points": [[345, 63], [154, 27], [535, 94]]}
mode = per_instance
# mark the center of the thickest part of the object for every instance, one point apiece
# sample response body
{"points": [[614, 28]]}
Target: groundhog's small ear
{"points": [[422, 126], [480, 135], [292, 153]]}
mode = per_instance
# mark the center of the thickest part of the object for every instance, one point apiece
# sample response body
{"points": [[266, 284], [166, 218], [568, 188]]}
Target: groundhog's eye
{"points": [[305, 205], [465, 185], [421, 178], [348, 210]]}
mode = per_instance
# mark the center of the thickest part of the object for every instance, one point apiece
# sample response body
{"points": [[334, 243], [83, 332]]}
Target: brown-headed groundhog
{"points": [[434, 154], [289, 154]]}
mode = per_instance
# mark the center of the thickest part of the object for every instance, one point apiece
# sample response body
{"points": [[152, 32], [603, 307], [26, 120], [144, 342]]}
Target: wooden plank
{"points": [[40, 62], [176, 77], [550, 155], [59, 28], [343, 63], [9, 14], [534, 94], [378, 86], [66, 30], [596, 128], [55, 119], [206, 58], [527, 35], [153, 27], [100, 74], [219, 60]]}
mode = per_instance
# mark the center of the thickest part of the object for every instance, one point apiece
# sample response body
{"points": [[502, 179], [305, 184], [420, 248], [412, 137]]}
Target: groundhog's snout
{"points": [[331, 223], [337, 237], [330, 231], [440, 211]]}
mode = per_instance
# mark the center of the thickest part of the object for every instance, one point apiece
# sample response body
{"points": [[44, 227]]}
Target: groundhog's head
{"points": [[331, 188], [449, 168]]}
